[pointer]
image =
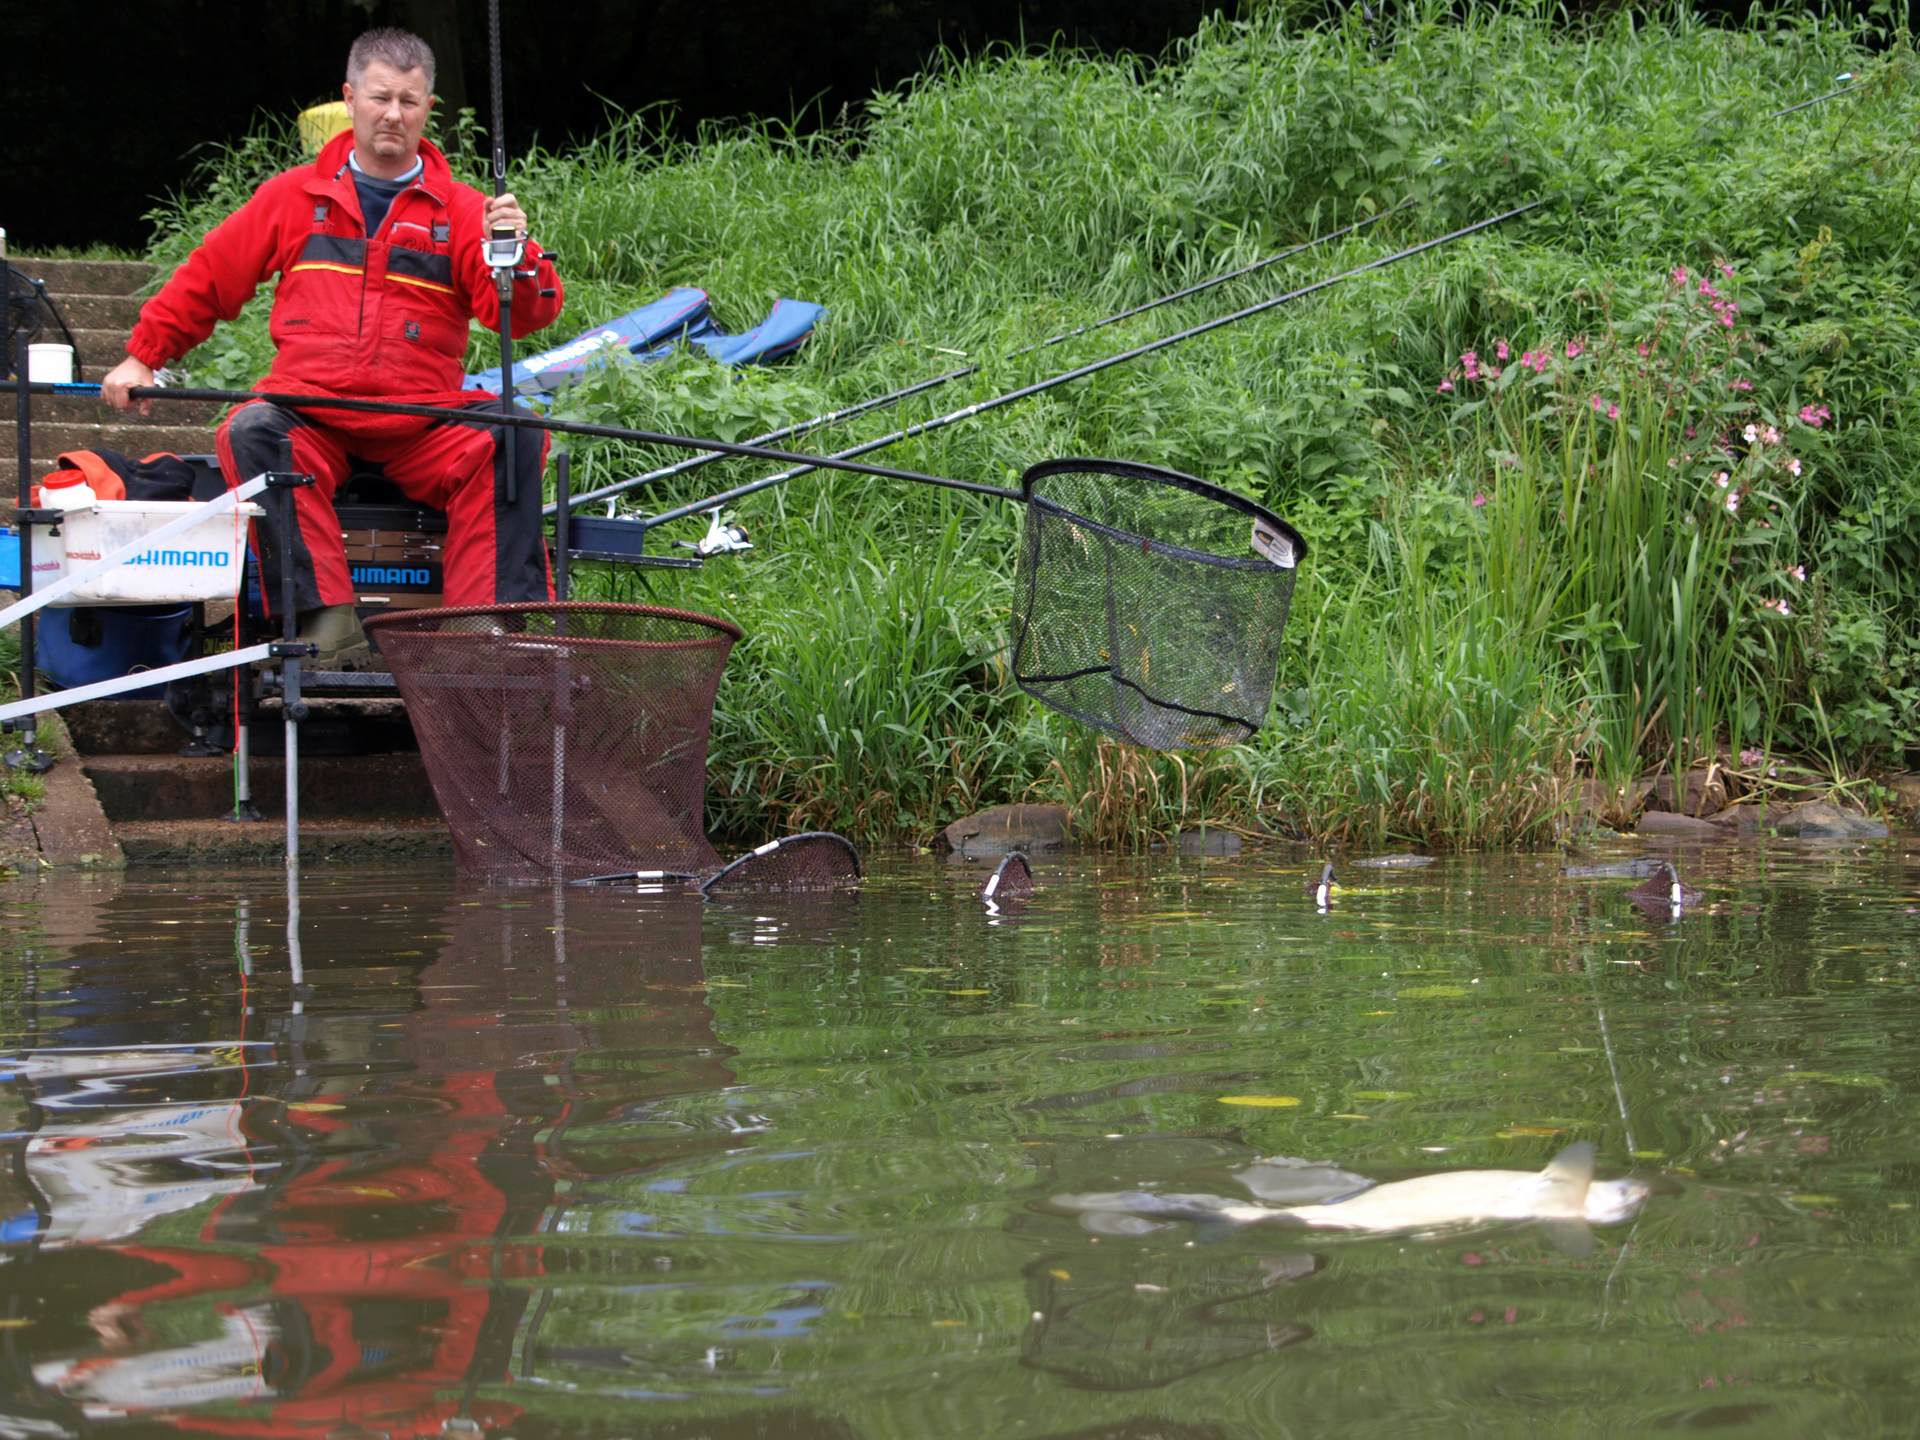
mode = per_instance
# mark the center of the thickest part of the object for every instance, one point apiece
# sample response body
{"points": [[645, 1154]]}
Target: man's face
{"points": [[389, 110]]}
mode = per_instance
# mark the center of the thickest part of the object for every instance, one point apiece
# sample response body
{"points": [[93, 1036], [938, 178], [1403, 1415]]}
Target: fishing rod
{"points": [[908, 432], [519, 420], [877, 402], [504, 250], [515, 420], [841, 459]]}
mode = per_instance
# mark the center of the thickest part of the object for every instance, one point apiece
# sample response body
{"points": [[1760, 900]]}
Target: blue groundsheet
{"points": [[650, 332]]}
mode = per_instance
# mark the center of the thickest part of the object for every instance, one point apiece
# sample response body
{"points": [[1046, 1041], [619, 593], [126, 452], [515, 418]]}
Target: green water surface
{"points": [[614, 1164]]}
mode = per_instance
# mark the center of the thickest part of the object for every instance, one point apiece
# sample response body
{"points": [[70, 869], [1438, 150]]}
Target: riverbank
{"points": [[1617, 490]]}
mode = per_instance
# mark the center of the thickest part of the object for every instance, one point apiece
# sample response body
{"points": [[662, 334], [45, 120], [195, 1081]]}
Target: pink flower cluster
{"points": [[1724, 309], [1815, 416]]}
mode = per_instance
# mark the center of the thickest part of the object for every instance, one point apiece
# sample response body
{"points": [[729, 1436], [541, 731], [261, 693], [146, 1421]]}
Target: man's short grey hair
{"points": [[401, 49]]}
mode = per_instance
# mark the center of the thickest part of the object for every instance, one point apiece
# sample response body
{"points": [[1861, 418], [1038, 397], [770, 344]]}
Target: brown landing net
{"points": [[563, 739], [815, 860]]}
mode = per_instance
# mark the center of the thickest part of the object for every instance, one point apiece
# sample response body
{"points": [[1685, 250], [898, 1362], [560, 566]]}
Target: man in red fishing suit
{"points": [[379, 253]]}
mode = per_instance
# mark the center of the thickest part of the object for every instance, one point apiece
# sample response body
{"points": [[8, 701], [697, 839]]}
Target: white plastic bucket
{"points": [[50, 364], [205, 563]]}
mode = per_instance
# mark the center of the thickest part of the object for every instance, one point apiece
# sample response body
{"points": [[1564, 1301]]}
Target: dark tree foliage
{"points": [[109, 102]]}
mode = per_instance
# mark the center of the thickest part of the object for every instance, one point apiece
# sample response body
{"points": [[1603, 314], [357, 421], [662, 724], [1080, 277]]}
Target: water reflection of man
{"points": [[373, 1269]]}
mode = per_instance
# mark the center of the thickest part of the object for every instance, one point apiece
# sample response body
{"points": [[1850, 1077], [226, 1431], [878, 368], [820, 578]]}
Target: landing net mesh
{"points": [[563, 739], [815, 860], [1011, 880], [1149, 604]]}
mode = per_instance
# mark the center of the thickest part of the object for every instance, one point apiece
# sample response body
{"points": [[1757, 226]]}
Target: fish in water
{"points": [[1322, 889], [1564, 1198]]}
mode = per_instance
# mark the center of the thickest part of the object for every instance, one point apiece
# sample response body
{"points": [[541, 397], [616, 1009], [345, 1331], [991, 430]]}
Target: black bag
{"points": [[161, 476]]}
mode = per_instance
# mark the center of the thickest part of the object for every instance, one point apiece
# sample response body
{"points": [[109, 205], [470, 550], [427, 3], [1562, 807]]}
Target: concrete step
{"points": [[86, 410], [134, 437], [97, 312], [86, 277], [223, 842], [366, 788], [100, 350], [123, 727]]}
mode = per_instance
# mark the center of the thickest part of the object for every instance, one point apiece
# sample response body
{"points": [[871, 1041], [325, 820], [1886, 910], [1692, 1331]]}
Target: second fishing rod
{"points": [[523, 420], [933, 382]]}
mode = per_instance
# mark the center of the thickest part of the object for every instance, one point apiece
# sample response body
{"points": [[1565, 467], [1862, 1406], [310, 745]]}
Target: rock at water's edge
{"points": [[1010, 827], [1817, 820], [1681, 827]]}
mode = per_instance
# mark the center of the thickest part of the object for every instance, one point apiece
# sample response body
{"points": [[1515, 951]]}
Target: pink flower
{"points": [[1644, 349], [1770, 435], [1779, 605], [1479, 499], [1798, 572], [1500, 351], [1793, 466], [1445, 387], [1740, 385], [1721, 479], [1752, 433], [1733, 502], [1726, 269], [1815, 415], [1470, 364], [1613, 412], [1752, 757], [1679, 276], [1574, 347], [1597, 403], [1708, 290]]}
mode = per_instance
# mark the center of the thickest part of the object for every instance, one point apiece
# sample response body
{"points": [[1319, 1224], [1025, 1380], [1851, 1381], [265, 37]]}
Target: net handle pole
{"points": [[841, 459], [519, 420], [878, 402]]}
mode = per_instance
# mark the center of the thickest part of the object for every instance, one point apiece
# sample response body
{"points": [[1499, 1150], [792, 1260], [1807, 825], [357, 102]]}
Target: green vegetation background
{"points": [[1583, 569]]}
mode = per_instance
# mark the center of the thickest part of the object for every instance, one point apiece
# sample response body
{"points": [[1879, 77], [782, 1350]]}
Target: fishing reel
{"points": [[722, 538], [503, 248]]}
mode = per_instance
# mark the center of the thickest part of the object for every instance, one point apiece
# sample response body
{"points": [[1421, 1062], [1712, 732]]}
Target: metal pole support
{"points": [[289, 652]]}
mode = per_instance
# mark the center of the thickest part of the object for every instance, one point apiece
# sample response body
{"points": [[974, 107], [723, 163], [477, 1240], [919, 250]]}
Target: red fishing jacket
{"points": [[384, 315]]}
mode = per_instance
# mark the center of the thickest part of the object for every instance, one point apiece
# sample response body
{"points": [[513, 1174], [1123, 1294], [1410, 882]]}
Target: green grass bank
{"points": [[1626, 486]]}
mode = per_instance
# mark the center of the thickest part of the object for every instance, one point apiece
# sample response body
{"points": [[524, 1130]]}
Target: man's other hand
{"points": [[504, 213], [129, 374]]}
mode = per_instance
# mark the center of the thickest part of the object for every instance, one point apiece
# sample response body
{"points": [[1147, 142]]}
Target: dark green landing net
{"points": [[1149, 604]]}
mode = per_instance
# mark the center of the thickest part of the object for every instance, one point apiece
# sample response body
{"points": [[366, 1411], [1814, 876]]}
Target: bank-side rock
{"points": [[1747, 818], [1906, 789], [1701, 791], [1817, 820], [1677, 826], [1209, 841], [1010, 827]]}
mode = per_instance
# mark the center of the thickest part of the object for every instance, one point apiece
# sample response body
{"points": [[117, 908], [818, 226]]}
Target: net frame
{"points": [[1217, 610], [563, 738], [833, 859]]}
